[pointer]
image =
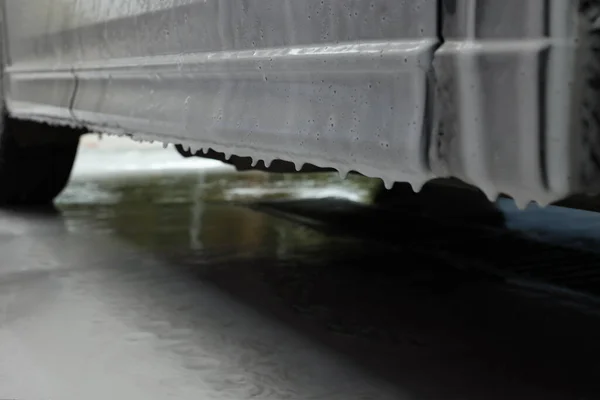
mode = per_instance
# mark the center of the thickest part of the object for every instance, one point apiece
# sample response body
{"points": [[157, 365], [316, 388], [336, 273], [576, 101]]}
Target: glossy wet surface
{"points": [[175, 282]]}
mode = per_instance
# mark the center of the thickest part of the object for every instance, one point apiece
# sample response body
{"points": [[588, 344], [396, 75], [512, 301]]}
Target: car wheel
{"points": [[35, 161]]}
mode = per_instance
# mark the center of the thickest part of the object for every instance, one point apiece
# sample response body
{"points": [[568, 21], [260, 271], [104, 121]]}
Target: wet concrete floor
{"points": [[182, 279]]}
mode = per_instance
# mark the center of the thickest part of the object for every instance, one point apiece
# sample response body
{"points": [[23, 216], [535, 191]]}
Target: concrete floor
{"points": [[157, 277]]}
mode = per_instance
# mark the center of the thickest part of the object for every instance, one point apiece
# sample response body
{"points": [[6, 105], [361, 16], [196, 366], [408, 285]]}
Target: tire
{"points": [[35, 161]]}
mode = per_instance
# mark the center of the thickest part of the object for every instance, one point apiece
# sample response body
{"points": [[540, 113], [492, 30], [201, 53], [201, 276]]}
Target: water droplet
{"points": [[491, 194], [417, 185], [543, 202], [521, 202]]}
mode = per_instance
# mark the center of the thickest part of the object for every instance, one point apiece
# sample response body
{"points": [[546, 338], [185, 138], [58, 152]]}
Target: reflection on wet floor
{"points": [[188, 211], [156, 279], [424, 307]]}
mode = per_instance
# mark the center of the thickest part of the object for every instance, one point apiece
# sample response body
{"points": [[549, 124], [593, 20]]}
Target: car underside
{"points": [[498, 95]]}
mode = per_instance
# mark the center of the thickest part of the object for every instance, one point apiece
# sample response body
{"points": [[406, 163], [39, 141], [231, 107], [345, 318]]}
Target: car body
{"points": [[502, 95]]}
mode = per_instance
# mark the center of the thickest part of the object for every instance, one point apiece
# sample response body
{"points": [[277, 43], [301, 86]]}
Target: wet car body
{"points": [[502, 95]]}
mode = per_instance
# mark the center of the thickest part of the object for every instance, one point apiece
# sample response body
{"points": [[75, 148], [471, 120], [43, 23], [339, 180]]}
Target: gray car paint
{"points": [[496, 93]]}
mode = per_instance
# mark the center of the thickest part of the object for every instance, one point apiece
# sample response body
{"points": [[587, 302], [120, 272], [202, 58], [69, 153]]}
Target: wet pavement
{"points": [[157, 277]]}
